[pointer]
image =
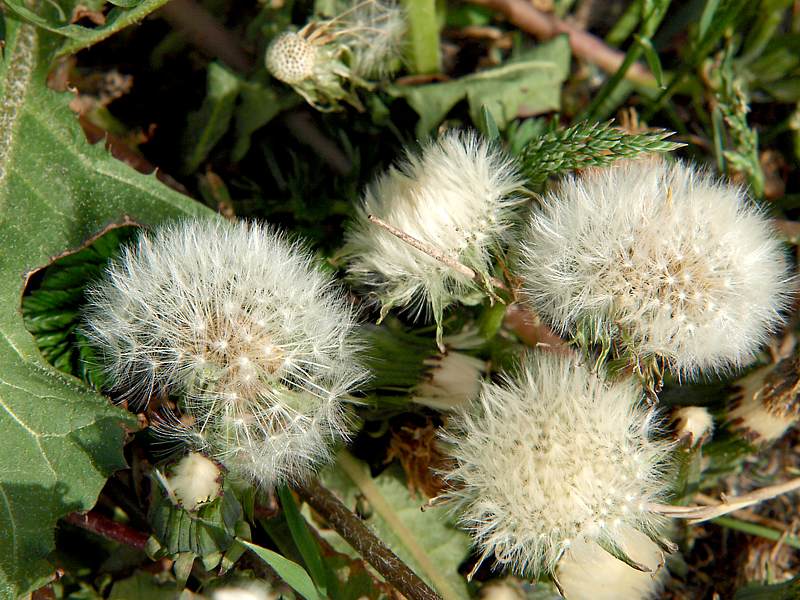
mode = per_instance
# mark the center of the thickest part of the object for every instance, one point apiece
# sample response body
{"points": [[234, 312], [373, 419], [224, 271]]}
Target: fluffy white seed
{"points": [[674, 262], [587, 572], [195, 480], [551, 456], [238, 322], [456, 195]]}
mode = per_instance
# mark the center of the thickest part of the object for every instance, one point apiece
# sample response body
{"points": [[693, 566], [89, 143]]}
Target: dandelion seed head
{"points": [[291, 58], [678, 263], [262, 381], [550, 457], [456, 195]]}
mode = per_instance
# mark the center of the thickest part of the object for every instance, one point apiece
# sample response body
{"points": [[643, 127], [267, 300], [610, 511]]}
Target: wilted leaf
{"points": [[60, 440], [527, 85]]}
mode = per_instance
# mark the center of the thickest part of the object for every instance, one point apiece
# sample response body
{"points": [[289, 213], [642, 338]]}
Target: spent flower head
{"points": [[239, 323], [551, 457], [327, 57], [665, 260], [458, 196]]}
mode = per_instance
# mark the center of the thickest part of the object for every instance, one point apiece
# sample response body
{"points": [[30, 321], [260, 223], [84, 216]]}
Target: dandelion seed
{"points": [[551, 459], [263, 394], [662, 258], [456, 195]]}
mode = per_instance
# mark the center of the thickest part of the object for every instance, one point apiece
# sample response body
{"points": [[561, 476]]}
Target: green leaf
{"points": [[71, 37], [207, 126], [60, 440], [259, 105], [527, 85], [709, 10], [487, 125], [788, 590], [289, 571], [651, 56], [306, 544], [425, 541], [142, 586]]}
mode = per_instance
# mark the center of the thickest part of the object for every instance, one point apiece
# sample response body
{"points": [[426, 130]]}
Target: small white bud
{"points": [[453, 380], [587, 572], [195, 480], [693, 424]]}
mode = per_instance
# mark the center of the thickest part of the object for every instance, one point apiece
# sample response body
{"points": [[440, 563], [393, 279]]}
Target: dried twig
{"points": [[355, 533], [698, 514], [108, 528], [585, 45]]}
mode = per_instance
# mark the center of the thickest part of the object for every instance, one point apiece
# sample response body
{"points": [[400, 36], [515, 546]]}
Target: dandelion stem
{"points": [[108, 528], [698, 514], [437, 254], [584, 45], [423, 33], [372, 549]]}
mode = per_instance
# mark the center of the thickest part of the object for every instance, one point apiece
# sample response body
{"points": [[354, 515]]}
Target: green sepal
{"points": [[208, 530]]}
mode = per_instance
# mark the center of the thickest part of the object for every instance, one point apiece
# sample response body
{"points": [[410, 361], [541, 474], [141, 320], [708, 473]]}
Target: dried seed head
{"points": [[291, 58], [238, 322], [667, 260], [457, 196], [553, 457]]}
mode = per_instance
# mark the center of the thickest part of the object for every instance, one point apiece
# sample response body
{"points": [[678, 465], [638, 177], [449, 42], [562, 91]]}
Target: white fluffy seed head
{"points": [[241, 324], [291, 58], [551, 456], [456, 195], [674, 262], [587, 572]]}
